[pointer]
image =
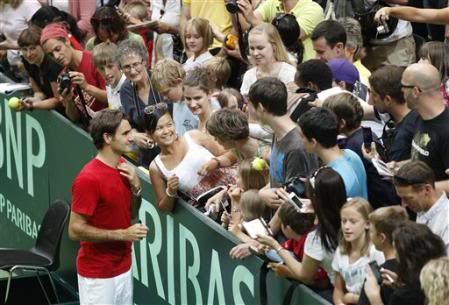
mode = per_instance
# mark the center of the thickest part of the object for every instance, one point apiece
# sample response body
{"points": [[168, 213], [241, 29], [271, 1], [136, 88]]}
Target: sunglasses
{"points": [[102, 21], [312, 178], [407, 181], [153, 108]]}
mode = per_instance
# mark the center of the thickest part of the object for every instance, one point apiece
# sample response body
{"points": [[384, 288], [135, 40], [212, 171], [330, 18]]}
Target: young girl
{"points": [[230, 98], [269, 57], [252, 175], [354, 252], [197, 38]]}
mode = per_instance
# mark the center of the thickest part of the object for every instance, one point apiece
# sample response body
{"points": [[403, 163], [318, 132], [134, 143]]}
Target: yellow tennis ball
{"points": [[14, 103], [259, 164]]}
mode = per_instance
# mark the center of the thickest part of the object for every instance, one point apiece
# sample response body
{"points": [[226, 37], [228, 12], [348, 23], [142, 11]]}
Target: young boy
{"points": [[103, 56], [168, 76], [383, 222]]}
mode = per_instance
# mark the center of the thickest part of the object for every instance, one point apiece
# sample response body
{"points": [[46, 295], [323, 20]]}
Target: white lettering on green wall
{"points": [[34, 159], [11, 147], [186, 236], [19, 218], [186, 283]]}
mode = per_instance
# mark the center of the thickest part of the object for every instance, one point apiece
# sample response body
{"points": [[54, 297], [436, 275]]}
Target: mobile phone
{"points": [[367, 138], [295, 200], [376, 271]]}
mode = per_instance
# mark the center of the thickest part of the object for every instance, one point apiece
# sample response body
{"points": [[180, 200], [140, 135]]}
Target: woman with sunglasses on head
{"points": [[136, 93], [108, 25], [176, 167], [327, 193]]}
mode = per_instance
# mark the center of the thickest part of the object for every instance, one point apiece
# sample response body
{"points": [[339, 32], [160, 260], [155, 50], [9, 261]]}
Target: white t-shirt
{"points": [[191, 63], [354, 273], [286, 75], [14, 21], [314, 249], [113, 94]]}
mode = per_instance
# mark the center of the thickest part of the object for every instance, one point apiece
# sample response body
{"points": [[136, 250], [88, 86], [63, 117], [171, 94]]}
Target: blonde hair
{"points": [[252, 205], [136, 9], [386, 219], [220, 70], [364, 209], [166, 73], [279, 51], [103, 54], [434, 278], [204, 30], [252, 179]]}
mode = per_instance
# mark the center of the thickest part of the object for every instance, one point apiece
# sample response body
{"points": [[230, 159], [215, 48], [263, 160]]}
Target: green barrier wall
{"points": [[184, 259]]}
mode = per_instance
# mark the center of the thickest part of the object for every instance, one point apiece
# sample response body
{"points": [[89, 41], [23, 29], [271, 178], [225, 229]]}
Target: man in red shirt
{"points": [[105, 197]]}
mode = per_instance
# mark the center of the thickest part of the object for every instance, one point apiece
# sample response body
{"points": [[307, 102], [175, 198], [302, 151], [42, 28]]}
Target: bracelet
{"points": [[218, 161], [138, 193], [236, 210], [170, 195]]}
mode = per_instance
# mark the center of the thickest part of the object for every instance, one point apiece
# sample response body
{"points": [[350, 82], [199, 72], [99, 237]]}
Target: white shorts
{"points": [[110, 291]]}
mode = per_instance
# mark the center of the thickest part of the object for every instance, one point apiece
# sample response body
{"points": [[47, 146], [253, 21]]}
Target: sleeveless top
{"points": [[187, 169]]}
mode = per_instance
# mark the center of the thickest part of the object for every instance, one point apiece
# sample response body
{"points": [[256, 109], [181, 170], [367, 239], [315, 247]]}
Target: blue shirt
{"points": [[350, 168]]}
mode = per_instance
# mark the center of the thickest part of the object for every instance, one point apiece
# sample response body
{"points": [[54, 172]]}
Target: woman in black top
{"points": [[136, 93], [42, 70], [415, 245]]}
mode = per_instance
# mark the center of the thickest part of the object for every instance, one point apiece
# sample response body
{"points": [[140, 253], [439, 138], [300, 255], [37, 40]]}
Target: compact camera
{"points": [[383, 28], [64, 81], [295, 189]]}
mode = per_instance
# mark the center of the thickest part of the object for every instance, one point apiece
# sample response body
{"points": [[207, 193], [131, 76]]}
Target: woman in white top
{"points": [[269, 57], [180, 160]]}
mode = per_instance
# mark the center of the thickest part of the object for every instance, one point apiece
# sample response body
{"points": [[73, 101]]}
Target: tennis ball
{"points": [[259, 164], [14, 103]]}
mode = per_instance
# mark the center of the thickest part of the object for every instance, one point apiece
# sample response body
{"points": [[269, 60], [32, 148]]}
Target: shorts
{"points": [[117, 290]]}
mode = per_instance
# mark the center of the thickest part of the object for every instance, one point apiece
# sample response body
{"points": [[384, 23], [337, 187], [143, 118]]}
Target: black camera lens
{"points": [[232, 7], [64, 81]]}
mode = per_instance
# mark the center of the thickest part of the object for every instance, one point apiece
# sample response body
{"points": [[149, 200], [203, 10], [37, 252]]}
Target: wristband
{"points": [[170, 195]]}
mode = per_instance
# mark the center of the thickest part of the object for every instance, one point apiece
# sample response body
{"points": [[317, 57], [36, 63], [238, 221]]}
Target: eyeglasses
{"points": [[407, 86], [153, 108], [134, 66], [312, 178]]}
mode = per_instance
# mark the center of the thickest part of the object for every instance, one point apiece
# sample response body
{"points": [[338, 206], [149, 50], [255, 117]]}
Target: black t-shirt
{"points": [[431, 143], [398, 141], [386, 292], [381, 192], [45, 74]]}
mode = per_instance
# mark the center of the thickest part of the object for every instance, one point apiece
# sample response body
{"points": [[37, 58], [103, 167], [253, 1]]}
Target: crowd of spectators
{"points": [[326, 121]]}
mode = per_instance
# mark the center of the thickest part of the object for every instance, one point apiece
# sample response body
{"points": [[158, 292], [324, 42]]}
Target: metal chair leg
{"points": [[53, 286], [42, 287], [8, 285]]}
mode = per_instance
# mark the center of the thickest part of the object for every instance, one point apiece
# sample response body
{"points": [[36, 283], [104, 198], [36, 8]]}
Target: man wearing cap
{"points": [[87, 91], [415, 184]]}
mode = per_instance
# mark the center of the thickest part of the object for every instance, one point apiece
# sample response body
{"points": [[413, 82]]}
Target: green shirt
{"points": [[307, 12]]}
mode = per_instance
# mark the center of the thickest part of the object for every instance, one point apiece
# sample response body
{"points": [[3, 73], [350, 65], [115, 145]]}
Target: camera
{"points": [[383, 28], [64, 81], [295, 189], [232, 6]]}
